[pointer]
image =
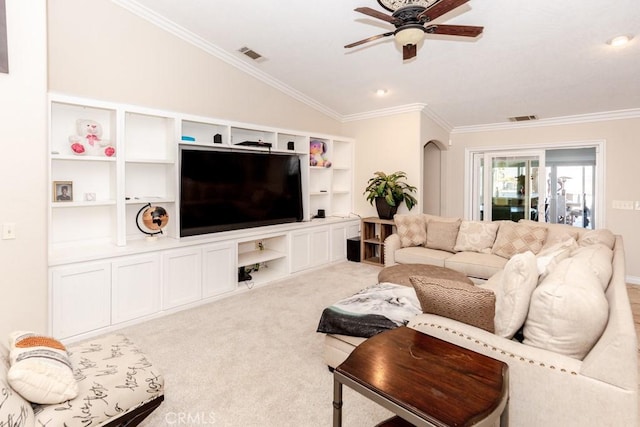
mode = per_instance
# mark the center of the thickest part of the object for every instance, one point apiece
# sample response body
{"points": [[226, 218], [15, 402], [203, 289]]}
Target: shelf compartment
{"points": [[204, 132], [64, 116], [149, 137]]}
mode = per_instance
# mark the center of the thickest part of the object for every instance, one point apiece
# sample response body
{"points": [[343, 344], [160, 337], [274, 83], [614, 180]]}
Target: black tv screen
{"points": [[228, 190]]}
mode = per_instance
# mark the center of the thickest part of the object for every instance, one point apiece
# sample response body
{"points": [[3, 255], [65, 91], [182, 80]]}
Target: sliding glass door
{"points": [[508, 187], [552, 185]]}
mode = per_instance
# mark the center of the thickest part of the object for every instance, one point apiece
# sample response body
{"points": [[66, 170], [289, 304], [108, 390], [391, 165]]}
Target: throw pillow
{"points": [[593, 237], [556, 233], [411, 229], [40, 369], [513, 293], [442, 235], [568, 311], [548, 258], [597, 258], [476, 236], [456, 300], [515, 238]]}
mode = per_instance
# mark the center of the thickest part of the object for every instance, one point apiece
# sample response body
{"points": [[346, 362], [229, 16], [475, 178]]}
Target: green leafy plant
{"points": [[392, 188]]}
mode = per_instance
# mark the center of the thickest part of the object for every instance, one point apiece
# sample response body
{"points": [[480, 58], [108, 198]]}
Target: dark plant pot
{"points": [[385, 211]]}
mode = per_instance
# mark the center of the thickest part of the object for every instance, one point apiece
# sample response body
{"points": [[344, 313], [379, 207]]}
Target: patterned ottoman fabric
{"points": [[114, 377], [399, 274]]}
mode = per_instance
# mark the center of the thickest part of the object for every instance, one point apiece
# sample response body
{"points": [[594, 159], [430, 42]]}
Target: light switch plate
{"points": [[8, 231]]}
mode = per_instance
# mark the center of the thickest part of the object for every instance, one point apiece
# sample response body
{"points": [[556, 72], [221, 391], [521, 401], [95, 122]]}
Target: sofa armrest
{"points": [[391, 245]]}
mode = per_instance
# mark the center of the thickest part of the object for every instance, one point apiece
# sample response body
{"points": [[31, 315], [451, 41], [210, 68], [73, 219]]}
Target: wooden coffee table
{"points": [[424, 380]]}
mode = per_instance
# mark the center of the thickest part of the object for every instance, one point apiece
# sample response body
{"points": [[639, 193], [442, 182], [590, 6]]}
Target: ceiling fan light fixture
{"points": [[410, 35]]}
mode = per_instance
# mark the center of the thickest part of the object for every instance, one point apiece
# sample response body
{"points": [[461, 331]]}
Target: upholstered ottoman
{"points": [[401, 273], [117, 386]]}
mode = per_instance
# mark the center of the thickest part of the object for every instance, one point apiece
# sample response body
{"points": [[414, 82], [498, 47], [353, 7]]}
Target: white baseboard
{"points": [[633, 280]]}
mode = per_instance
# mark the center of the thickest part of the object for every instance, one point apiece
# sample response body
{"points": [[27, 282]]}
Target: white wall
{"points": [[122, 57], [621, 169], [386, 144], [23, 170]]}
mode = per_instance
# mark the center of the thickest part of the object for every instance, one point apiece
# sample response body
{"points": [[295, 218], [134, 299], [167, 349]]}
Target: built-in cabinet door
{"points": [[181, 278], [219, 274], [319, 246], [309, 248], [338, 242], [300, 254], [80, 298], [135, 287]]}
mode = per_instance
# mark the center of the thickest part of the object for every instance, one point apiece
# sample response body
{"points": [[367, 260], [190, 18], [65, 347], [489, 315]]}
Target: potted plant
{"points": [[389, 191]]}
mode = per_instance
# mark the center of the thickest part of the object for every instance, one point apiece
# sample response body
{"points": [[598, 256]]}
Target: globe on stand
{"points": [[154, 219]]}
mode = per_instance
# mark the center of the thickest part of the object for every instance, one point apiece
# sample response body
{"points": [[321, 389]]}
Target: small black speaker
{"points": [[217, 138], [321, 213], [291, 145], [353, 249]]}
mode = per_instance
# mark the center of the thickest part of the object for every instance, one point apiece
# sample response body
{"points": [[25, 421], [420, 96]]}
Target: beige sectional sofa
{"points": [[578, 363]]}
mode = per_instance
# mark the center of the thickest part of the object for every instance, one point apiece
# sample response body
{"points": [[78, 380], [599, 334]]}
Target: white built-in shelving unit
{"points": [[96, 251]]}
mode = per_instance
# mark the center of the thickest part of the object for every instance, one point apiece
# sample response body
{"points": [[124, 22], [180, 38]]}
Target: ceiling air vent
{"points": [[250, 53], [522, 118]]}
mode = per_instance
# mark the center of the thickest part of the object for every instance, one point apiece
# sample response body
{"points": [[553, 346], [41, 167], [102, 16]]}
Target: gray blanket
{"points": [[371, 311]]}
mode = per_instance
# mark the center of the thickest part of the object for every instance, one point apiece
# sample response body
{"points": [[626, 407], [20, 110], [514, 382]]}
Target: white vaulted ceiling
{"points": [[547, 58]]}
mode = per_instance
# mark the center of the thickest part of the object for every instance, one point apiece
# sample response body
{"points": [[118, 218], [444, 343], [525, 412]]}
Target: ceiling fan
{"points": [[412, 19]]}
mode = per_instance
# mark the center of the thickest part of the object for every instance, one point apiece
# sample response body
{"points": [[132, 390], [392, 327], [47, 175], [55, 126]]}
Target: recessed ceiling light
{"points": [[381, 92], [619, 41]]}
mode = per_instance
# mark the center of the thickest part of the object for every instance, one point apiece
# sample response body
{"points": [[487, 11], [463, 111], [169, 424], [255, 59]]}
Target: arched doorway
{"points": [[431, 178]]}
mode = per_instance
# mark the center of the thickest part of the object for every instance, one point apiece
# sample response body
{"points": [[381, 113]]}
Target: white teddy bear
{"points": [[89, 139]]}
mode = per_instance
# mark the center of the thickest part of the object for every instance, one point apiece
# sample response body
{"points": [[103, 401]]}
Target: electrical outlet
{"points": [[623, 204], [8, 231]]}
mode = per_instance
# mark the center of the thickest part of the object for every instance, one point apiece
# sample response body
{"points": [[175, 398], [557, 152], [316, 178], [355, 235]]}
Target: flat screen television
{"points": [[223, 190]]}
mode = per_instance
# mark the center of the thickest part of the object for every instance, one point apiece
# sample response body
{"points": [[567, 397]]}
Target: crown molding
{"points": [[400, 109], [161, 22], [633, 113]]}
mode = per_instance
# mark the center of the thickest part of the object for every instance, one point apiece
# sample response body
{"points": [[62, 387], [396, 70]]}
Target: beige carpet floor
{"points": [[254, 359]]}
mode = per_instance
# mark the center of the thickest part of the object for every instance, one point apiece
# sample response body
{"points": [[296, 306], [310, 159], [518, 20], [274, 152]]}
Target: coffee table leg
{"points": [[337, 403]]}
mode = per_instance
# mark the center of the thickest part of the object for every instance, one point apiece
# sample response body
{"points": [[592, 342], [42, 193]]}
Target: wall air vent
{"points": [[250, 53], [522, 118]]}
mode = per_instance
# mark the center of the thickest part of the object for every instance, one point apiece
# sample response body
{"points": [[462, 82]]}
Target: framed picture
{"points": [[63, 191]]}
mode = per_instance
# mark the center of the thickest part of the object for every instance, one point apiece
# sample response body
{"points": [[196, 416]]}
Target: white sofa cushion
{"points": [[476, 236], [568, 310], [14, 409], [514, 238], [40, 369], [513, 293], [412, 229], [421, 255], [473, 264]]}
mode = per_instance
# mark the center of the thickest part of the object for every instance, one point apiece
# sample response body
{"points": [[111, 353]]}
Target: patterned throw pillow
{"points": [[456, 300], [411, 229], [442, 235], [40, 369], [476, 236], [516, 238]]}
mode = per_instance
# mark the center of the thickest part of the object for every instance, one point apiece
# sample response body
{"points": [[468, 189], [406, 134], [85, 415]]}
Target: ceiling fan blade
{"points": [[455, 30], [377, 14], [440, 8], [370, 39], [409, 51]]}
